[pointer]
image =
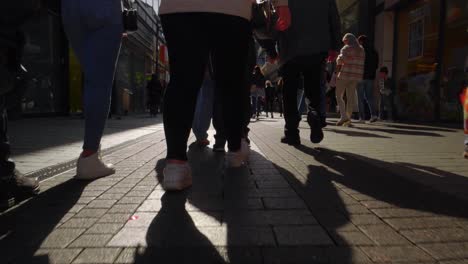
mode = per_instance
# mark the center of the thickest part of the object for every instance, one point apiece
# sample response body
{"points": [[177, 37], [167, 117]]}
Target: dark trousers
{"points": [[270, 104], [303, 71], [6, 166], [191, 38]]}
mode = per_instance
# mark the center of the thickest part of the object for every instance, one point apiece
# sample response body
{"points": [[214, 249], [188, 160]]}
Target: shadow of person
{"points": [[401, 132], [173, 235], [362, 175], [30, 226], [353, 133]]}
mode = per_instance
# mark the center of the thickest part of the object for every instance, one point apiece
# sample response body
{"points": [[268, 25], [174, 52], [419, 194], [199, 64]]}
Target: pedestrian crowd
{"points": [[213, 45]]}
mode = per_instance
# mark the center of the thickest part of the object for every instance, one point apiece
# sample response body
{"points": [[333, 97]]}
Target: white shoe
{"points": [[342, 121], [237, 159], [92, 167], [373, 119], [177, 177]]}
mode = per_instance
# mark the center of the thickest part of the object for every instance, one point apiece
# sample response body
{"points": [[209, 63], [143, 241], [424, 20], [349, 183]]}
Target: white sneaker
{"points": [[92, 167], [373, 119], [342, 121], [237, 159], [177, 177]]}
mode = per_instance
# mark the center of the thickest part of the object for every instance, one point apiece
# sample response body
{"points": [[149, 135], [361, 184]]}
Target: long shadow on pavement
{"points": [[29, 227]]}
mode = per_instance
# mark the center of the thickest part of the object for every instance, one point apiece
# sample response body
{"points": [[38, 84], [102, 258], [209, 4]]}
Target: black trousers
{"points": [[303, 71], [191, 38], [270, 104]]}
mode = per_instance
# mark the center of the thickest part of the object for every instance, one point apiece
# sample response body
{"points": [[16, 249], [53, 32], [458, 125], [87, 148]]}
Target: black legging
{"points": [[190, 38]]}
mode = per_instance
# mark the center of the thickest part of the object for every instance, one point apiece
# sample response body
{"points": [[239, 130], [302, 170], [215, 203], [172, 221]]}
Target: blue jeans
{"points": [[94, 30], [366, 95], [204, 110]]}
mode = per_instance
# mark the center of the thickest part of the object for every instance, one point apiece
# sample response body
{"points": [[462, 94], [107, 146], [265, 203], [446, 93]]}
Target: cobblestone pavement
{"points": [[366, 195], [40, 143]]}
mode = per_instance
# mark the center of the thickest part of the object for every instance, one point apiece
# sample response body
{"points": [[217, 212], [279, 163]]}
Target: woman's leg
{"points": [[340, 91], [204, 110], [188, 60], [351, 98], [230, 57]]}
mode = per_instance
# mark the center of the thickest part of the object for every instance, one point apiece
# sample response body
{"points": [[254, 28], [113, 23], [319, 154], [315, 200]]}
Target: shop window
{"points": [[416, 39]]}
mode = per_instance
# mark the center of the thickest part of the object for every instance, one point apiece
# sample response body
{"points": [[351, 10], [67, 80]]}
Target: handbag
{"points": [[264, 19], [129, 16]]}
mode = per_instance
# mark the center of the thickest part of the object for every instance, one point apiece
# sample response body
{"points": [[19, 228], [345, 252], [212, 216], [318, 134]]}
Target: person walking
{"points": [[94, 30], [269, 98], [350, 72], [221, 29], [279, 96], [257, 91], [366, 86], [154, 93], [314, 33], [386, 95]]}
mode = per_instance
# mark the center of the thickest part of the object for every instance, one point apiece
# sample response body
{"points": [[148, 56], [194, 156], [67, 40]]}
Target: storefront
{"points": [[431, 53], [44, 57]]}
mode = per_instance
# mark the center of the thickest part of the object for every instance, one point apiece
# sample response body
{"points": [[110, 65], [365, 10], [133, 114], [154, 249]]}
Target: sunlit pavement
{"points": [[381, 193]]}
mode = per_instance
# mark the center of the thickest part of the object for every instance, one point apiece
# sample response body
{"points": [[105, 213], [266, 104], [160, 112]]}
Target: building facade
{"points": [[57, 79], [424, 43]]}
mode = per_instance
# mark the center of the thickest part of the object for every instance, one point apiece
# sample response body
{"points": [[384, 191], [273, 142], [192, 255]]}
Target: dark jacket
{"points": [[315, 28], [371, 63]]}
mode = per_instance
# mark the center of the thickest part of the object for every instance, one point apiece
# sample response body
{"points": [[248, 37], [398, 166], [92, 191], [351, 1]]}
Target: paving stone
{"points": [[343, 255], [104, 228], [127, 256], [119, 190], [302, 235], [91, 240], [272, 184], [400, 213], [156, 194], [205, 205], [436, 235], [85, 200], [150, 206], [284, 203], [296, 255], [91, 213], [111, 196], [395, 254], [352, 239], [130, 237], [61, 237], [132, 200], [447, 251], [355, 209], [383, 235], [266, 218], [115, 218], [106, 204], [421, 222], [139, 193], [58, 256], [465, 261], [97, 255], [123, 208], [377, 204], [76, 208], [79, 223], [274, 193], [365, 219], [239, 236]]}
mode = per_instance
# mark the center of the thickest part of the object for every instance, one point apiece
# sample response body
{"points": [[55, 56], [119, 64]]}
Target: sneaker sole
{"points": [[85, 178]]}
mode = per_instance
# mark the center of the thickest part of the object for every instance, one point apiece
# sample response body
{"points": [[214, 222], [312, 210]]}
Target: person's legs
{"points": [[291, 82], [362, 99], [204, 110], [381, 107], [230, 59], [187, 66], [312, 75], [465, 122], [7, 166], [388, 99], [340, 91], [369, 96], [351, 97]]}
